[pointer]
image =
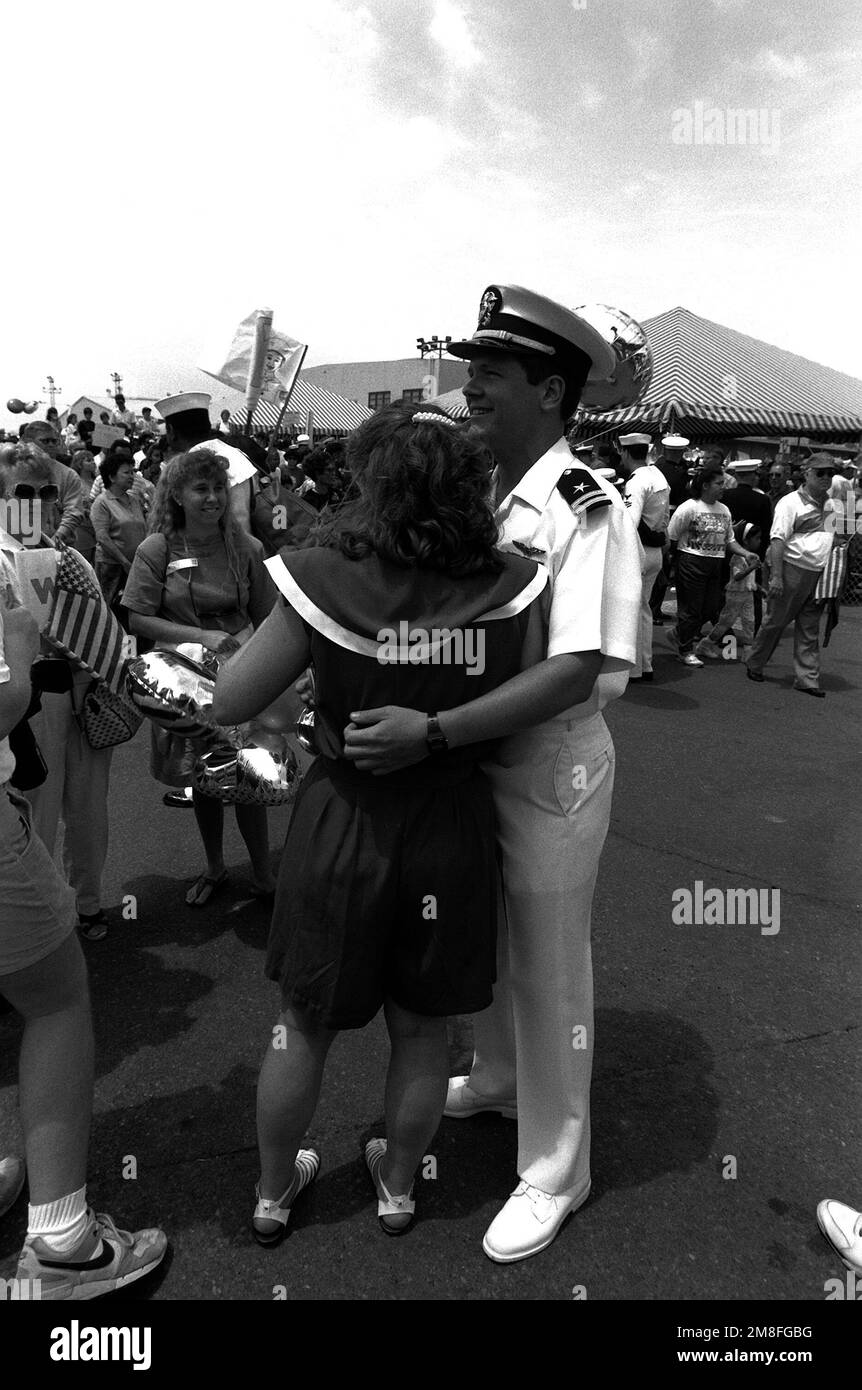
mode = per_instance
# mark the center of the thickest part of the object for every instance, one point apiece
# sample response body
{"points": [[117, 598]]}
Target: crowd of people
{"points": [[729, 532], [436, 862]]}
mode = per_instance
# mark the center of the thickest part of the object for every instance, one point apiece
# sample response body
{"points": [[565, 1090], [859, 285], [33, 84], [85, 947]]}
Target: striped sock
{"points": [[60, 1224]]}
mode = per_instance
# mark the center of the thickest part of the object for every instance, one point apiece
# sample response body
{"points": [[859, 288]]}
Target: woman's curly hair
{"points": [[167, 515], [419, 495]]}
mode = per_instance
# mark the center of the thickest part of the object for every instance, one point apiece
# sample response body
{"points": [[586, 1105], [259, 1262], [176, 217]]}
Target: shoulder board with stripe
{"points": [[581, 492]]}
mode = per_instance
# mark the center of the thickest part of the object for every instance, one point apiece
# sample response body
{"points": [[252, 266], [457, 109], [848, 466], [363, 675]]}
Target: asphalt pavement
{"points": [[726, 1090]]}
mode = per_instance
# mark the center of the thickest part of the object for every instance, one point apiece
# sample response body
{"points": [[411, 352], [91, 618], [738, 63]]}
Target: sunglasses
{"points": [[26, 492], [821, 472]]}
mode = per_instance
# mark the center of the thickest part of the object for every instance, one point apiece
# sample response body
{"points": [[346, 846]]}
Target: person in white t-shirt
{"points": [[702, 528], [647, 496], [800, 545]]}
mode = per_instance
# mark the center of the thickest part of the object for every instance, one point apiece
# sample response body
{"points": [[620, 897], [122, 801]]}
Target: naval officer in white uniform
{"points": [[553, 775]]}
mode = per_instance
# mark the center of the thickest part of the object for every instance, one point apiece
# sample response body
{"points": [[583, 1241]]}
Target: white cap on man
{"points": [[177, 405], [743, 465], [626, 439], [675, 441]]}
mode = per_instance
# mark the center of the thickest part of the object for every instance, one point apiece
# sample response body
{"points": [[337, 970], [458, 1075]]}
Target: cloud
{"points": [[590, 96], [768, 63], [646, 44], [450, 31]]}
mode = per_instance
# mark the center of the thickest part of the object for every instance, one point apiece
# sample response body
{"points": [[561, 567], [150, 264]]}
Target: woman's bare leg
{"points": [[416, 1084], [287, 1092]]}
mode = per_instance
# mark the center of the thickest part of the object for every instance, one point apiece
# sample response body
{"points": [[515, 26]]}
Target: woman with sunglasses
{"points": [[199, 577], [76, 786]]}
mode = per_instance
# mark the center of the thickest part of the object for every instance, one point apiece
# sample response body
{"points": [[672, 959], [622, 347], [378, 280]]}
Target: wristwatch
{"points": [[435, 737]]}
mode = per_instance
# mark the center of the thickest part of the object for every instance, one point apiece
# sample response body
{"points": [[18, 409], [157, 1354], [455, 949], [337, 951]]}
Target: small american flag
{"points": [[81, 625]]}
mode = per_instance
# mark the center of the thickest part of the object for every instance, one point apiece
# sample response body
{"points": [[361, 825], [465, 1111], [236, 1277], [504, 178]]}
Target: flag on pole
{"points": [[282, 360]]}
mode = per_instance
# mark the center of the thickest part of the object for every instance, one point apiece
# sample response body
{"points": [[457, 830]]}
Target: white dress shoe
{"points": [[529, 1221], [462, 1102], [842, 1227]]}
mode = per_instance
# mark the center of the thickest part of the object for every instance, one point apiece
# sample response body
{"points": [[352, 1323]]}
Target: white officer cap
{"points": [[675, 441], [743, 465], [189, 400], [514, 319]]}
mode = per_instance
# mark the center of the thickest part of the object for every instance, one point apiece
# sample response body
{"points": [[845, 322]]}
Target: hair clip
{"points": [[423, 417]]}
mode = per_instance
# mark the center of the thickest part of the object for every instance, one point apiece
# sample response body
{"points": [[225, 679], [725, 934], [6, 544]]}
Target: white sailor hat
{"points": [[675, 441], [626, 439], [583, 449], [609, 474], [513, 319], [742, 465], [189, 400]]}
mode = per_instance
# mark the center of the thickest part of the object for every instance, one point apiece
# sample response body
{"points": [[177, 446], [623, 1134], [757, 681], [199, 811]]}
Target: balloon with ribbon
{"points": [[31, 407]]}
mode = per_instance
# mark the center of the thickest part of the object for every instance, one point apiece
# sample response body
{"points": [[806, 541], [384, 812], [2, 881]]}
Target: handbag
{"points": [[31, 770], [107, 718], [650, 537]]}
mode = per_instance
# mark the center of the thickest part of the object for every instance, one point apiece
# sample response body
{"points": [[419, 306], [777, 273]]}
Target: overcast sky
{"points": [[366, 169]]}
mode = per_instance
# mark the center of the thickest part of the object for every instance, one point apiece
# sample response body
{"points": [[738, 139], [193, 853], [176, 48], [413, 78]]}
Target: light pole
{"points": [[51, 390], [435, 344], [117, 381]]}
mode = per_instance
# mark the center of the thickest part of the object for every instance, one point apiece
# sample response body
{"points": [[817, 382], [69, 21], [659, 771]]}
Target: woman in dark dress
{"points": [[387, 890]]}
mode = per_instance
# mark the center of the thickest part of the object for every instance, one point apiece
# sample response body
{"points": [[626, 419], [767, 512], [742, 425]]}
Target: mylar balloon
{"points": [[264, 772], [31, 407], [15, 406], [633, 375], [175, 689]]}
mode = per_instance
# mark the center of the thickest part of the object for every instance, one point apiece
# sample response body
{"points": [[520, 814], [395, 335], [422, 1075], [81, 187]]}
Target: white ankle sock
{"points": [[60, 1224]]}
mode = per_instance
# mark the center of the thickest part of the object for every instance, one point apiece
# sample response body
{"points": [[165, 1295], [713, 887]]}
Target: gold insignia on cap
{"points": [[491, 301]]}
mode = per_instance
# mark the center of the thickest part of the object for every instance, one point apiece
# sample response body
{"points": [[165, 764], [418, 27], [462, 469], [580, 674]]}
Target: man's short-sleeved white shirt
{"points": [[647, 495], [593, 558], [801, 523]]}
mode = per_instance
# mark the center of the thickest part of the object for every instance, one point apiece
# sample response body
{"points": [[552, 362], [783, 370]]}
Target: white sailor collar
{"points": [[539, 481]]}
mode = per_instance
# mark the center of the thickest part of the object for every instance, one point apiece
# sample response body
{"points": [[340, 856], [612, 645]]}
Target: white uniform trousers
{"points": [[553, 787], [650, 566], [75, 789]]}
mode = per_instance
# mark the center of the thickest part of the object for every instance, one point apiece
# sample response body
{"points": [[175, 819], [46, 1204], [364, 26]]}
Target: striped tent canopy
{"points": [[333, 415], [711, 382]]}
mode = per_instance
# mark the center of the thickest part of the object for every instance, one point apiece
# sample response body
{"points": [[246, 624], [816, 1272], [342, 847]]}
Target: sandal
{"points": [[269, 1223], [394, 1213], [93, 926], [204, 888]]}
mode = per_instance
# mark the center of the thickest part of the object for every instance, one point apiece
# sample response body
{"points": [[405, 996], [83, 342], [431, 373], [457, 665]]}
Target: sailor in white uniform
{"points": [[647, 495], [553, 776]]}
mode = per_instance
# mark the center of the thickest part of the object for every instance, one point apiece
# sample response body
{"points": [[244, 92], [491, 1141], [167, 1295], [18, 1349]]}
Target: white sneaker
{"points": [[529, 1221], [462, 1102], [708, 649], [842, 1227], [690, 659]]}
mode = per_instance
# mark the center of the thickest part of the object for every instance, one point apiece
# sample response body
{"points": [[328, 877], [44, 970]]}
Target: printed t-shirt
{"points": [[701, 528]]}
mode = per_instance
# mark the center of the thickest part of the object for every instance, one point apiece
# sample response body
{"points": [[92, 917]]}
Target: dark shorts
{"points": [[387, 890]]}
